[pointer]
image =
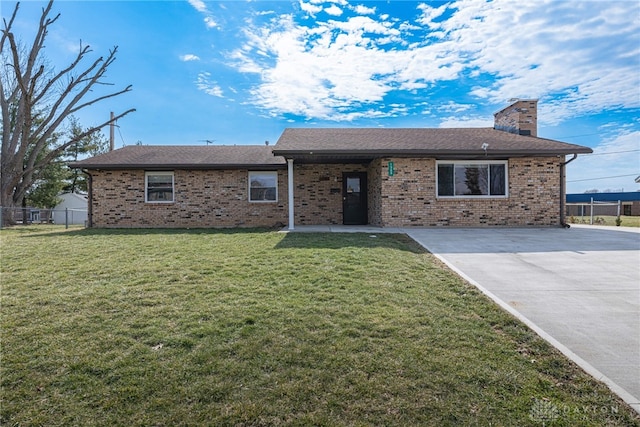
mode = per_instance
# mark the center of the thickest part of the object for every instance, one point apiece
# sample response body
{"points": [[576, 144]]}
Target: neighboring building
{"points": [[383, 177], [73, 209], [580, 204], [32, 215]]}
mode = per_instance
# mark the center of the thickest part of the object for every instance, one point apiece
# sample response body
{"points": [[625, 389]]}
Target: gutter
{"points": [[563, 191], [451, 153], [179, 166]]}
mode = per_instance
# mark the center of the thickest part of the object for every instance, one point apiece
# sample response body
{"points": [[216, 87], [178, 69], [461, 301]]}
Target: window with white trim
{"points": [[158, 187], [263, 186], [469, 178]]}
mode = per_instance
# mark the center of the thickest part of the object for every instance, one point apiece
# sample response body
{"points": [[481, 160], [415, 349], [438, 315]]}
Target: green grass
{"points": [[627, 221], [259, 328]]}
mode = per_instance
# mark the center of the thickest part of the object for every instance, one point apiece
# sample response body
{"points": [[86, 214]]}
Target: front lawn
{"points": [[260, 328]]}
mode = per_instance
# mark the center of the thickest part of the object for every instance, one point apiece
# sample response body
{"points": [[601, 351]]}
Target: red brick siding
{"points": [[374, 180], [318, 192], [209, 198], [219, 198], [409, 197]]}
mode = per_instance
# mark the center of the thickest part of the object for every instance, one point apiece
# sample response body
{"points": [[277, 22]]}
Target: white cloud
{"points": [[333, 10], [430, 13], [70, 46], [209, 22], [204, 83], [310, 8], [340, 68], [198, 5], [576, 53], [343, 67], [577, 57], [189, 57], [454, 107], [201, 7], [264, 12], [364, 10], [363, 24], [465, 122]]}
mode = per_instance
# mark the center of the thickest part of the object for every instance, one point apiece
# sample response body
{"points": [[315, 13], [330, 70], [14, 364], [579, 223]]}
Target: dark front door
{"points": [[354, 198]]}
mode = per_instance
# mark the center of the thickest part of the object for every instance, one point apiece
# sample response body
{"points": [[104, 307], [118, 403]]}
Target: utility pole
{"points": [[112, 127]]}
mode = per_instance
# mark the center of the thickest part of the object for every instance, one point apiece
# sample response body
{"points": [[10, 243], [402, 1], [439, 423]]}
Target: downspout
{"points": [[290, 194], [90, 197], [563, 191]]}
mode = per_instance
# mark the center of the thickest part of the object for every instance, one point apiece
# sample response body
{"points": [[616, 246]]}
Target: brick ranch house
{"points": [[393, 177]]}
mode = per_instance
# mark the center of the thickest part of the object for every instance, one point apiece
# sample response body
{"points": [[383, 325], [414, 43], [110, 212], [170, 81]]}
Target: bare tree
{"points": [[36, 100]]}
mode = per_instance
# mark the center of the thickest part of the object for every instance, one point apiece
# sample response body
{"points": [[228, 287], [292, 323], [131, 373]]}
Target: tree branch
{"points": [[47, 122], [111, 95], [7, 27], [81, 53], [60, 149], [29, 127]]}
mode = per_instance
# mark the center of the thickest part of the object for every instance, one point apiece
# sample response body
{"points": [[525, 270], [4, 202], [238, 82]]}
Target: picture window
{"points": [[472, 179]]}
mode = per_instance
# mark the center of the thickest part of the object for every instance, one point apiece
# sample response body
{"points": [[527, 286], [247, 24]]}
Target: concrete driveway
{"points": [[579, 288]]}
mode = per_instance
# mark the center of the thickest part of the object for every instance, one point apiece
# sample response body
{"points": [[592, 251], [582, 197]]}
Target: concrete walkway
{"points": [[579, 288]]}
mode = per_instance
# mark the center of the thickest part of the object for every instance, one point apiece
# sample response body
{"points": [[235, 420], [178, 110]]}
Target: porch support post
{"points": [[290, 191]]}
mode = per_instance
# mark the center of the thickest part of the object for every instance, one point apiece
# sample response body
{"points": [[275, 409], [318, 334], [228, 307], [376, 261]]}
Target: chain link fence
{"points": [[30, 216]]}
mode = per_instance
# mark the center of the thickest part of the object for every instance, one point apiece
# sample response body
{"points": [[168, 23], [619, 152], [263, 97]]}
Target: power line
{"points": [[613, 152], [120, 133], [577, 136], [604, 177]]}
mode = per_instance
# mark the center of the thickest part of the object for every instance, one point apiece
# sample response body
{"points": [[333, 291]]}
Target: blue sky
{"points": [[239, 72]]}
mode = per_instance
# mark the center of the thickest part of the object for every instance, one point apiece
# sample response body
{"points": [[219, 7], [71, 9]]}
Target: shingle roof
{"points": [[334, 144], [441, 142], [185, 156]]}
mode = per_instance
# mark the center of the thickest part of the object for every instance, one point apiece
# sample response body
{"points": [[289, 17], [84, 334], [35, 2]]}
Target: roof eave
{"points": [[181, 166], [429, 153]]}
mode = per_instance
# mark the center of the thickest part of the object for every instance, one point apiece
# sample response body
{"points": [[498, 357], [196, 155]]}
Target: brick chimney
{"points": [[521, 117]]}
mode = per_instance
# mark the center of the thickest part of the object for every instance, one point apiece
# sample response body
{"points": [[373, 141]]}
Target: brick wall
{"points": [[374, 180], [218, 198], [318, 192], [209, 198], [409, 197]]}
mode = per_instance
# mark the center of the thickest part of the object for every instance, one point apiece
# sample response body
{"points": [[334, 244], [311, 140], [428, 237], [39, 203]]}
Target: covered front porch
{"points": [[341, 192]]}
